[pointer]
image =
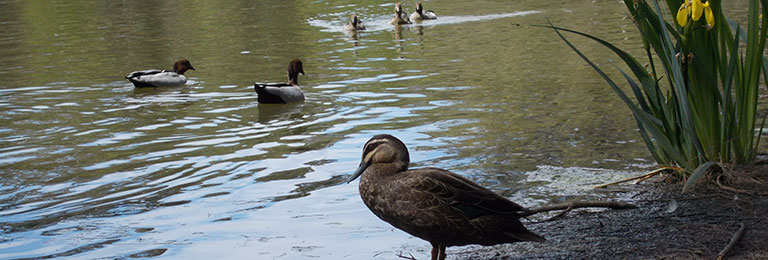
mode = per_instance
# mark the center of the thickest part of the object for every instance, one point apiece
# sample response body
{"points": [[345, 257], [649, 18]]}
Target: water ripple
{"points": [[381, 22], [93, 168]]}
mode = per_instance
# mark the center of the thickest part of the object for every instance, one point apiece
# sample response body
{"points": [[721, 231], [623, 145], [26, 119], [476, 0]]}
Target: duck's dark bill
{"points": [[359, 171]]}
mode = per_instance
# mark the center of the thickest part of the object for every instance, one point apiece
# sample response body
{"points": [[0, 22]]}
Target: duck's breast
{"points": [[398, 20], [415, 16]]}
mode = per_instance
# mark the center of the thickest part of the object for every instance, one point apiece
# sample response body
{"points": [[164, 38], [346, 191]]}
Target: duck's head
{"points": [[182, 66], [385, 149], [419, 8], [356, 23], [294, 68], [398, 9]]}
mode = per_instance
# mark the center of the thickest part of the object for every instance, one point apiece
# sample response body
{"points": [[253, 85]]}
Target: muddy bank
{"points": [[666, 225]]}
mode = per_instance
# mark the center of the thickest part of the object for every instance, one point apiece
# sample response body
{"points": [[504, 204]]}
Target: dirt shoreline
{"points": [[666, 225]]}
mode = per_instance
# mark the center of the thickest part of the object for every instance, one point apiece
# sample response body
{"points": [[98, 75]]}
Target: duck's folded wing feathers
{"points": [[164, 78], [470, 198], [137, 74], [277, 85]]}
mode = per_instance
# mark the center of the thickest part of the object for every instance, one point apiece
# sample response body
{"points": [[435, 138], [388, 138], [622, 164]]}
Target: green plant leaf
{"points": [[674, 70], [757, 143], [652, 124], [728, 112], [707, 110], [698, 173]]}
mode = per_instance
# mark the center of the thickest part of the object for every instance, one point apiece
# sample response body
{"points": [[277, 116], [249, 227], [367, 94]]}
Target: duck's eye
{"points": [[370, 148], [372, 145]]}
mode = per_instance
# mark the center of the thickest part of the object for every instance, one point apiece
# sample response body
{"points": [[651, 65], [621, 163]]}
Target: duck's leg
{"points": [[435, 251], [442, 253]]}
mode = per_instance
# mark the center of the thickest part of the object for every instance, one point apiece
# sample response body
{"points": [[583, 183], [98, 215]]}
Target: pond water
{"points": [[92, 168]]}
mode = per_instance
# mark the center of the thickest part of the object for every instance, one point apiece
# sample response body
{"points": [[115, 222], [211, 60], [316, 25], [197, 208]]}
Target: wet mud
{"points": [[666, 225]]}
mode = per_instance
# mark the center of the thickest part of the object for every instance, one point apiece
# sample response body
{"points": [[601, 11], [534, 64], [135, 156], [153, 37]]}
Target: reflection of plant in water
{"points": [[701, 112]]}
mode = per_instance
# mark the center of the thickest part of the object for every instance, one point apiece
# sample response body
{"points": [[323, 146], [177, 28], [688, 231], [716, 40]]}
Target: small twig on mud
{"points": [[648, 176], [409, 257], [734, 239], [731, 189], [578, 204], [561, 214], [643, 177], [601, 186]]}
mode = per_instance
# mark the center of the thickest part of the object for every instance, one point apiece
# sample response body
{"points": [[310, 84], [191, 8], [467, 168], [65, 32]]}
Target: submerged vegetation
{"points": [[696, 101]]}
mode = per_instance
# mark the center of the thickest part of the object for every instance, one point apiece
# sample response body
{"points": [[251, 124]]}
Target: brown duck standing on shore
{"points": [[433, 204]]}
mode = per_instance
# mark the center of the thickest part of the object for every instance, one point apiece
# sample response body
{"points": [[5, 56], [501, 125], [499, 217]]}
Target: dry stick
{"points": [[757, 181], [641, 178], [648, 177], [578, 204], [734, 239], [731, 189], [561, 214], [410, 257], [624, 180]]}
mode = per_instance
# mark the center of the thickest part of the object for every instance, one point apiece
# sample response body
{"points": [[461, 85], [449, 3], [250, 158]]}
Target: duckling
{"points": [[433, 204], [400, 16], [354, 24], [271, 93], [161, 78], [420, 14]]}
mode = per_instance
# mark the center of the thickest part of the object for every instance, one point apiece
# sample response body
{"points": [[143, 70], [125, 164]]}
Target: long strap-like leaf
{"points": [[652, 124]]}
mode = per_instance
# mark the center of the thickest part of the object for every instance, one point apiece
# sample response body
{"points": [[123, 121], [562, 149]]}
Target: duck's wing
{"points": [[161, 79], [430, 14], [276, 85], [277, 93], [470, 198], [138, 74]]}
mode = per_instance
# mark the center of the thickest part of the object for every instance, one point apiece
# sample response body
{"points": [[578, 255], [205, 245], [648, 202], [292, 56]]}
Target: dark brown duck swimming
{"points": [[434, 204]]}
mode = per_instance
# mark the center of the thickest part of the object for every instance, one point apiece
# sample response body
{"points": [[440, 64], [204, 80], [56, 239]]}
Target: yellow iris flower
{"points": [[683, 13], [709, 15], [695, 9]]}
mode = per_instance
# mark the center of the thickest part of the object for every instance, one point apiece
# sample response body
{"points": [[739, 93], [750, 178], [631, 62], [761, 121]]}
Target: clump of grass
{"points": [[696, 104]]}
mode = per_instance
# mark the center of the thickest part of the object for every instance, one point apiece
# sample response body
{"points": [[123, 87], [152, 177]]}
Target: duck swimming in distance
{"points": [[433, 204], [354, 24], [420, 14], [279, 93], [161, 78], [400, 16]]}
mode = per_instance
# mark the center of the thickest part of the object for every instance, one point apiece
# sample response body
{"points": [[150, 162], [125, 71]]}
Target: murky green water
{"points": [[92, 168]]}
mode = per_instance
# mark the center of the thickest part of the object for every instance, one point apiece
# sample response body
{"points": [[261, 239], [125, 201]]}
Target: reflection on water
{"points": [[92, 168]]}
